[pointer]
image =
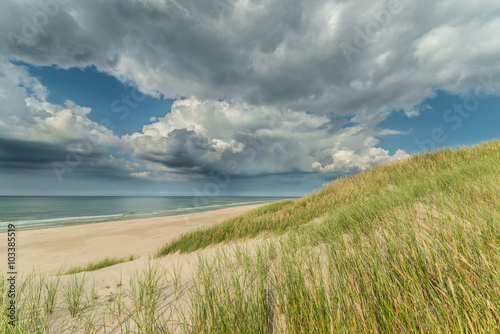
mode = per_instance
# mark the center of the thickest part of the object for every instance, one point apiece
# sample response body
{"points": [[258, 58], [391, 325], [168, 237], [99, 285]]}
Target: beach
{"points": [[48, 250]]}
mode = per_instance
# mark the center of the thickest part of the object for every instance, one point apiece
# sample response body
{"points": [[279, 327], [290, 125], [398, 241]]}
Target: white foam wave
{"points": [[217, 206], [64, 219]]}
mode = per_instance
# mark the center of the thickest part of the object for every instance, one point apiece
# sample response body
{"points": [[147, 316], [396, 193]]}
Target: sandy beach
{"points": [[48, 250]]}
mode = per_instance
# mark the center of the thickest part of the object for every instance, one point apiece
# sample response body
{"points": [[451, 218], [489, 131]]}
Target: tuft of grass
{"points": [[73, 294], [51, 288], [107, 262], [145, 292]]}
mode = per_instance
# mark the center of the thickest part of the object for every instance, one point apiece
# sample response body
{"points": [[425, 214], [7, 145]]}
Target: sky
{"points": [[236, 97]]}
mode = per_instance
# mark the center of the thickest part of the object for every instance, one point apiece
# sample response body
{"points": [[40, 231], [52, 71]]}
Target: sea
{"points": [[41, 212]]}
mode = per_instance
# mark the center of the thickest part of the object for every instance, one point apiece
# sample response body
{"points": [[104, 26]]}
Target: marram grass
{"points": [[107, 262], [370, 191], [410, 247], [407, 247]]}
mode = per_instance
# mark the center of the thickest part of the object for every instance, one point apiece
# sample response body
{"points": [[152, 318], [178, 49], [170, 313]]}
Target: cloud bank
{"points": [[36, 134], [208, 136], [328, 56], [262, 86]]}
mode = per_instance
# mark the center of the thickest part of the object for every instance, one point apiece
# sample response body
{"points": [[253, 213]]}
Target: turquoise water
{"points": [[39, 212]]}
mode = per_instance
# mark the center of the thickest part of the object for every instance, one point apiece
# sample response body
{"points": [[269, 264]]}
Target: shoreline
{"points": [[123, 220], [46, 250]]}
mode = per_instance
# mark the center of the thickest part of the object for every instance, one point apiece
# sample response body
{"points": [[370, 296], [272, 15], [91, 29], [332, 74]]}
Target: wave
{"points": [[63, 219], [217, 206], [140, 214], [38, 223]]}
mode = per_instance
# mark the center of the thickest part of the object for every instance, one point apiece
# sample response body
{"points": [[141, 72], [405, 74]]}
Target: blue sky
{"points": [[90, 88], [96, 90], [481, 124], [162, 98]]}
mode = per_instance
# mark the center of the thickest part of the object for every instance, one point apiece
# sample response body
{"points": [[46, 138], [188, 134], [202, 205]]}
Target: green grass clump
{"points": [[107, 262], [146, 291], [73, 294]]}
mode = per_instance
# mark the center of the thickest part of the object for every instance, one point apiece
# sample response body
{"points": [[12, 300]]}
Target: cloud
{"points": [[415, 111], [197, 138], [26, 154], [207, 137], [263, 87], [347, 161], [277, 53], [35, 134]]}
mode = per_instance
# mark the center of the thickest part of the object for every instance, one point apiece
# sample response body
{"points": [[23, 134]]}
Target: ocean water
{"points": [[38, 212]]}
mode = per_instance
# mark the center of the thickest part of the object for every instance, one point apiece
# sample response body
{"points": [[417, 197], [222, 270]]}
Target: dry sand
{"points": [[48, 250]]}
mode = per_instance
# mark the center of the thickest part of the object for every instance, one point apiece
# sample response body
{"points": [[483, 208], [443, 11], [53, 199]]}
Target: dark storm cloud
{"points": [[35, 134], [181, 149], [329, 56], [27, 155]]}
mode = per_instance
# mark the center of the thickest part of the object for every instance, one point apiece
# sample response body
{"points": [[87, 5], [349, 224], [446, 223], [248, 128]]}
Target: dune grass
{"points": [[371, 191], [107, 262], [409, 247], [47, 305]]}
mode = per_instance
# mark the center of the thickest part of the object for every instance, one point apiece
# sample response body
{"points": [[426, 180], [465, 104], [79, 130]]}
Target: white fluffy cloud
{"points": [[35, 133], [26, 115], [203, 137], [347, 161]]}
